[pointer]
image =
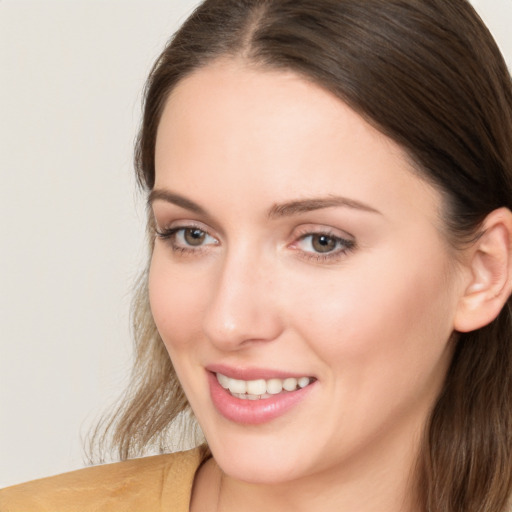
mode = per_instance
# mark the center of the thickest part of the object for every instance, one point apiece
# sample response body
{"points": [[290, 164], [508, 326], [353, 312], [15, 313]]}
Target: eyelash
{"points": [[342, 246], [333, 256], [169, 235]]}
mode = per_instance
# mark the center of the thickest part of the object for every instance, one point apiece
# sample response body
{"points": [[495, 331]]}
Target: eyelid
{"points": [[321, 229], [165, 214], [164, 227], [347, 241], [343, 241], [171, 233]]}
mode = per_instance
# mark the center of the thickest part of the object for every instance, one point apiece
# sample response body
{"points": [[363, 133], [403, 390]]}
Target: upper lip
{"points": [[252, 373]]}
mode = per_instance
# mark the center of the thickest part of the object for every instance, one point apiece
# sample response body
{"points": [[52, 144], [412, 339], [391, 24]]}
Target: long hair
{"points": [[427, 74]]}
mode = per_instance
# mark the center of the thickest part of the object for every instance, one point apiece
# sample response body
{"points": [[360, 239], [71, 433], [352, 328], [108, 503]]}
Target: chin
{"points": [[258, 472], [259, 459]]}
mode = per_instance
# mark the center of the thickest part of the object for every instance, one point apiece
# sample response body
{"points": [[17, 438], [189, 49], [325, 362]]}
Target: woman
{"points": [[329, 190]]}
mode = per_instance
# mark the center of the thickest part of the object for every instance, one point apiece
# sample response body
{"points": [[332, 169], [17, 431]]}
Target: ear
{"points": [[489, 284]]}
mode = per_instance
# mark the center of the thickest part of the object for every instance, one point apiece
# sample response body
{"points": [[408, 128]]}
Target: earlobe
{"points": [[490, 281]]}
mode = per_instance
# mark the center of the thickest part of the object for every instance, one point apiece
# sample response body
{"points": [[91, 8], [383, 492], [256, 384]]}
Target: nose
{"points": [[242, 308]]}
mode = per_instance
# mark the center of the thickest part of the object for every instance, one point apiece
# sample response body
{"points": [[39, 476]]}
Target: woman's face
{"points": [[296, 247]]}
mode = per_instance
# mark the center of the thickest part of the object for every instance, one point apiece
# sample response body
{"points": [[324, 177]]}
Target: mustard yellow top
{"points": [[151, 484]]}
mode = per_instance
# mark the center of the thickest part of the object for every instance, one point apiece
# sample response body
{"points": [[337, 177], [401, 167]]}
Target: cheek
{"points": [[389, 320], [175, 304]]}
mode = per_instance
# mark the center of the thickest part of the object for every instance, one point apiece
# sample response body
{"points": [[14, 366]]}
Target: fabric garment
{"points": [[151, 484]]}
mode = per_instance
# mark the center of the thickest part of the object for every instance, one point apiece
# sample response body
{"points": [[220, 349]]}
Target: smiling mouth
{"points": [[261, 388]]}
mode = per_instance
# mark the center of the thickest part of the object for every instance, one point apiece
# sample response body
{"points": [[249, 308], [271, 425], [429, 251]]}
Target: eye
{"points": [[186, 238], [322, 243], [192, 236], [323, 246]]}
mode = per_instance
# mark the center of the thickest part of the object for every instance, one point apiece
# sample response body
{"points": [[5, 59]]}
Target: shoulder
{"points": [[150, 483]]}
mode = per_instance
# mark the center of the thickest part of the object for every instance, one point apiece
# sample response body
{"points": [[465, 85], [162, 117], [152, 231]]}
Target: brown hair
{"points": [[428, 74]]}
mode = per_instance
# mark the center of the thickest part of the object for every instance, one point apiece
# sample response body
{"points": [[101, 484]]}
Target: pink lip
{"points": [[253, 412], [252, 373]]}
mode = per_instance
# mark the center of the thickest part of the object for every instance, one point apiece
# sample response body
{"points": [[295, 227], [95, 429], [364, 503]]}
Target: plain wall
{"points": [[71, 220]]}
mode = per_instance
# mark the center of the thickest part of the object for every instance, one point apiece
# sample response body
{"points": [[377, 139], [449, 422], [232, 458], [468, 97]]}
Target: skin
{"points": [[372, 323]]}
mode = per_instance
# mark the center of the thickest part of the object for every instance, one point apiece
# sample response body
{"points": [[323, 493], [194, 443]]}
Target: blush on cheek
{"points": [[174, 305], [161, 301]]}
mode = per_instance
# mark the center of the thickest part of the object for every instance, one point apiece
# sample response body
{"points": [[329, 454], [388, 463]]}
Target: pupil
{"points": [[323, 243], [194, 236]]}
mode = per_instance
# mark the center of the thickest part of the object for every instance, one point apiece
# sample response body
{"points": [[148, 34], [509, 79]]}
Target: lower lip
{"points": [[253, 412]]}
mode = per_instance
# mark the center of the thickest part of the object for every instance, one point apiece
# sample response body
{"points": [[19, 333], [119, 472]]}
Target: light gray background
{"points": [[71, 221]]}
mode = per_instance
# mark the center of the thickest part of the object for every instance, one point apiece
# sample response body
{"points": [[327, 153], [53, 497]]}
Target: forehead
{"points": [[232, 129]]}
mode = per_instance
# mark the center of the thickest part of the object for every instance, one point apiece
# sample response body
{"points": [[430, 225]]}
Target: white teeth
{"points": [[237, 386], [303, 382], [223, 380], [260, 388], [290, 384], [274, 386], [256, 387]]}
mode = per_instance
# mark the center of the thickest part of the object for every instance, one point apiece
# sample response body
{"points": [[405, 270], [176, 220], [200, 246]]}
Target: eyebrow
{"points": [[308, 205], [170, 197], [287, 209]]}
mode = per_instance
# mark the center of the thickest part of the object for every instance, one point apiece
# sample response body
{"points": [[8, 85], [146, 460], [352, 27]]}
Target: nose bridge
{"points": [[241, 306]]}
